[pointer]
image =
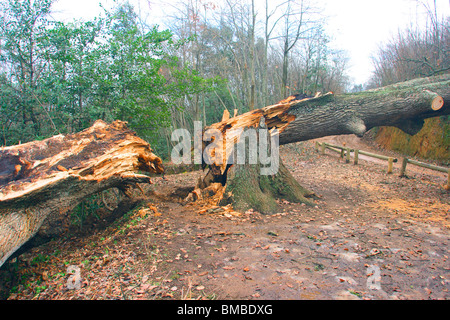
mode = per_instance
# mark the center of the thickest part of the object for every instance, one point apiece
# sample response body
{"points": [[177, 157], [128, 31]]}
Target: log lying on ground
{"points": [[44, 177], [404, 105]]}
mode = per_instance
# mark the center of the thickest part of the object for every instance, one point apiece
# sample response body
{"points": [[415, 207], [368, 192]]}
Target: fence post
{"points": [[322, 147], [317, 146], [448, 179], [403, 169], [347, 157], [355, 161], [390, 165]]}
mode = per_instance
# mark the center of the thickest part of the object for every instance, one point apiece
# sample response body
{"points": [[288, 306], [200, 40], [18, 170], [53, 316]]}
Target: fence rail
{"points": [[424, 165], [346, 151]]}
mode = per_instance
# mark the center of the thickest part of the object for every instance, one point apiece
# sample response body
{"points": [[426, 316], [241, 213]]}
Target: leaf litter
{"points": [[366, 225]]}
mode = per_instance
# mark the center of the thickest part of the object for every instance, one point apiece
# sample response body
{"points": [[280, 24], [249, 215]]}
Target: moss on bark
{"points": [[247, 189]]}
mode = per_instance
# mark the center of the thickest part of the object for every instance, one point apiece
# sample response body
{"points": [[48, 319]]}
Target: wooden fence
{"points": [[424, 165], [346, 152]]}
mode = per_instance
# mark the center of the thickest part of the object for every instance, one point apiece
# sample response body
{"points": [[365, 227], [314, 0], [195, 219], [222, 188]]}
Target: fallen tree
{"points": [[44, 177], [403, 105]]}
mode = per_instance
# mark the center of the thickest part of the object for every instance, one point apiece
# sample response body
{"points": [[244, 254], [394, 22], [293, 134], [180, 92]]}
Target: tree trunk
{"points": [[44, 177], [41, 178], [247, 189], [402, 105]]}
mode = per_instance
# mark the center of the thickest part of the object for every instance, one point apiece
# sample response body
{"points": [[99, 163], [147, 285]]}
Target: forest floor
{"points": [[370, 236]]}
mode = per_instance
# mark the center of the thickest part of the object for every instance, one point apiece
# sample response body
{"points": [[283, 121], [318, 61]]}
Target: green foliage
{"points": [[23, 45], [88, 207], [60, 77]]}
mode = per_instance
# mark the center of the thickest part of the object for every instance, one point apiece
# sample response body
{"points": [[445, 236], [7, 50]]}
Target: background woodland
{"points": [[59, 77]]}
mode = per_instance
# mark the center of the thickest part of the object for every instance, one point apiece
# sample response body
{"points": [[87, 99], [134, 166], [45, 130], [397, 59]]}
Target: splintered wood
{"points": [[208, 200], [97, 153], [39, 178], [273, 116], [209, 193]]}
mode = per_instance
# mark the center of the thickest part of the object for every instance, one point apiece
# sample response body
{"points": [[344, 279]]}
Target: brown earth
{"points": [[370, 236], [432, 142]]}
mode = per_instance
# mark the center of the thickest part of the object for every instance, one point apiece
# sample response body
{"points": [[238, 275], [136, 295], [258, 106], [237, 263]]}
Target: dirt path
{"points": [[370, 236]]}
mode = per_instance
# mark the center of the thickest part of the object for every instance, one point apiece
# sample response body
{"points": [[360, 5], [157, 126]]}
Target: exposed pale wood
{"points": [[226, 115], [390, 165], [403, 105], [42, 178], [437, 103]]}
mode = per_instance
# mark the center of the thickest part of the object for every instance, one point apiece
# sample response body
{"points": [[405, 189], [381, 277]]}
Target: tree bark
{"points": [[46, 177], [403, 105]]}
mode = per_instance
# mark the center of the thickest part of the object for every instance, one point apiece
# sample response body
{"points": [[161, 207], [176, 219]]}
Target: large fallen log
{"points": [[403, 105], [44, 177]]}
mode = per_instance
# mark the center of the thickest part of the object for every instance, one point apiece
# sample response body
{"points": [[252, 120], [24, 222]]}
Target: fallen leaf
{"points": [[227, 268], [246, 269], [200, 288], [147, 287]]}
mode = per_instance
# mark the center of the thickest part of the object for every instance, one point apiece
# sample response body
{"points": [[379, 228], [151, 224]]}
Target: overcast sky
{"points": [[356, 26]]}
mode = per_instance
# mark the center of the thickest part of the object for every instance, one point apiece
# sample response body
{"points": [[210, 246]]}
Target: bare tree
{"points": [[415, 52], [269, 28], [294, 25]]}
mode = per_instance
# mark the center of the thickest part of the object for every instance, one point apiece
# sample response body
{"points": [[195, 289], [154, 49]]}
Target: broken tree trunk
{"points": [[40, 178], [403, 105]]}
